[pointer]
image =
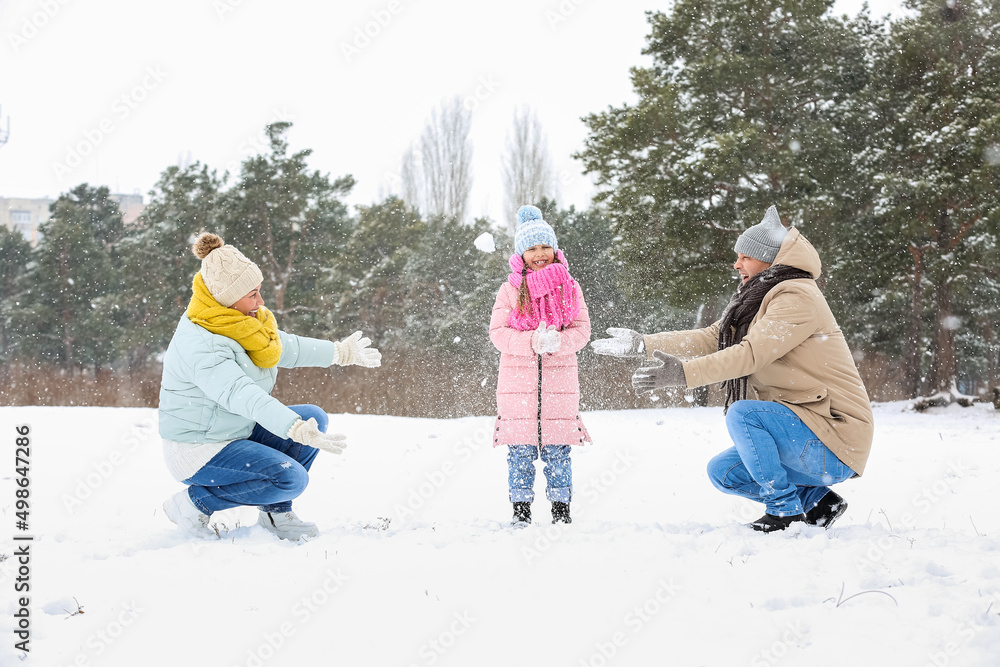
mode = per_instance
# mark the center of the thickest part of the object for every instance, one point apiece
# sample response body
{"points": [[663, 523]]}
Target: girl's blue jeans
{"points": [[777, 459], [521, 472], [265, 470]]}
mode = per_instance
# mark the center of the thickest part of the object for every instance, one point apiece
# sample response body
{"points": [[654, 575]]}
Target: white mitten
{"points": [[623, 343], [545, 339], [538, 338], [354, 350], [308, 433], [551, 340]]}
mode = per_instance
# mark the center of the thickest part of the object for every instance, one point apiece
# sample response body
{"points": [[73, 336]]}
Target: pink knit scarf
{"points": [[552, 291]]}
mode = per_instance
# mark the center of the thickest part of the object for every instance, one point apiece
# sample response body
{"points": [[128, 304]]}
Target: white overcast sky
{"points": [[111, 92]]}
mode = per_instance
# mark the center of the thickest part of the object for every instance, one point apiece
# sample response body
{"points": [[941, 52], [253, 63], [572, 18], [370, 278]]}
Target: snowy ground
{"points": [[416, 565]]}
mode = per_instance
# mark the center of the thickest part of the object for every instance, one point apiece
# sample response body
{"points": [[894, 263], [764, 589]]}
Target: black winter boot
{"points": [[830, 508], [560, 513], [522, 513], [770, 523]]}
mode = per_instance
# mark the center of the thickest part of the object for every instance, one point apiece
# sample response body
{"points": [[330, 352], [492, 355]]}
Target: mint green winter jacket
{"points": [[212, 392]]}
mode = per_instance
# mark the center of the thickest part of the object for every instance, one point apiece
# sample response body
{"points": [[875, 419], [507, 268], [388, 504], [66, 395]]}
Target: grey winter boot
{"points": [[287, 525], [181, 510]]}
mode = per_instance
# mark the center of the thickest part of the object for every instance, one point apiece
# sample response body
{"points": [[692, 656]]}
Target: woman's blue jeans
{"points": [[521, 473], [777, 459], [265, 470]]}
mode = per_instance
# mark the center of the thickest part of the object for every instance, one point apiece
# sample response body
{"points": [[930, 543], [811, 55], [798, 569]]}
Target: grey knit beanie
{"points": [[763, 240]]}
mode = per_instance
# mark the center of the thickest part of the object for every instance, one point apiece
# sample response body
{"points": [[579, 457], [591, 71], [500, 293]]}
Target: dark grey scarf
{"points": [[742, 308]]}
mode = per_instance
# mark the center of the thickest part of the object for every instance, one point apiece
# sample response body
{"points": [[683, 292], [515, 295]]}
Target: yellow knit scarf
{"points": [[257, 335]]}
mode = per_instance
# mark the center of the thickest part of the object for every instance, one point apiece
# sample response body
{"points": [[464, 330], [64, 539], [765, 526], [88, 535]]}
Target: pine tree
{"points": [[739, 111], [455, 287], [70, 314], [15, 250], [158, 263], [937, 209], [290, 221], [372, 286]]}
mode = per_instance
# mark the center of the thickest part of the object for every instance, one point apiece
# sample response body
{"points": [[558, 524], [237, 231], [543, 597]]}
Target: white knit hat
{"points": [[227, 273], [763, 240]]}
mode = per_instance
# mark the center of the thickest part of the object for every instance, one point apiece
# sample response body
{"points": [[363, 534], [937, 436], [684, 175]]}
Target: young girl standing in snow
{"points": [[539, 323]]}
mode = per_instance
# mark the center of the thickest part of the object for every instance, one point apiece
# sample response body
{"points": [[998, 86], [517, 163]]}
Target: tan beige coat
{"points": [[794, 353]]}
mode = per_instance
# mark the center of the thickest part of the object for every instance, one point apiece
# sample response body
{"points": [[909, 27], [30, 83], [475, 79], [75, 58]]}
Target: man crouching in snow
{"points": [[224, 435], [812, 425]]}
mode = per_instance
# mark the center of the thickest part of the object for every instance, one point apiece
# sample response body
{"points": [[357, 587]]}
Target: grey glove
{"points": [[667, 371], [623, 343]]}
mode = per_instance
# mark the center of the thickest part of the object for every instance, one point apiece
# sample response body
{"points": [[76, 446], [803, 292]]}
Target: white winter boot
{"points": [[287, 525], [188, 518]]}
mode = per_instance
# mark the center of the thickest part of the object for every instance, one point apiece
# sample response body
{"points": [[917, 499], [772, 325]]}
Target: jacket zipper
{"points": [[539, 402]]}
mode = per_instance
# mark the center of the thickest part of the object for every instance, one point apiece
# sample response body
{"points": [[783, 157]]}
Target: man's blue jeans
{"points": [[777, 459], [521, 473], [264, 470]]}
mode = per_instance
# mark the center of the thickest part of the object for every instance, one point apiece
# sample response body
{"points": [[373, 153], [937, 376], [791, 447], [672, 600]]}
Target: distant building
{"points": [[26, 215], [131, 207]]}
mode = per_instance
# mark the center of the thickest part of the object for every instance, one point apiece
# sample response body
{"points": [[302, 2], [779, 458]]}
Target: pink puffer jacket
{"points": [[518, 384]]}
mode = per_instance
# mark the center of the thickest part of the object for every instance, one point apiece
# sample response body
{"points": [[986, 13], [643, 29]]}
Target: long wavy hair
{"points": [[523, 296]]}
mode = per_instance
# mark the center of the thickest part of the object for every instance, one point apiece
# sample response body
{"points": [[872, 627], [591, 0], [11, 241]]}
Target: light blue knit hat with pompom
{"points": [[532, 230]]}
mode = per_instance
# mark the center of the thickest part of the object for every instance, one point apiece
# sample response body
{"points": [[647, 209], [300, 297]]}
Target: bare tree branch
{"points": [[527, 169], [440, 176]]}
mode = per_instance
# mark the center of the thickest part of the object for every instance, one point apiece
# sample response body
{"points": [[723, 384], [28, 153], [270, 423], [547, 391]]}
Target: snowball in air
{"points": [[484, 242]]}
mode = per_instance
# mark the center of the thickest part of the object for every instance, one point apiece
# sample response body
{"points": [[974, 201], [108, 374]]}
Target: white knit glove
{"points": [[308, 433], [354, 350], [546, 339], [623, 343]]}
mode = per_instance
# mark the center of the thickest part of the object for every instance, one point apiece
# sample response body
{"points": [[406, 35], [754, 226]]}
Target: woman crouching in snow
{"points": [[539, 323], [224, 435]]}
